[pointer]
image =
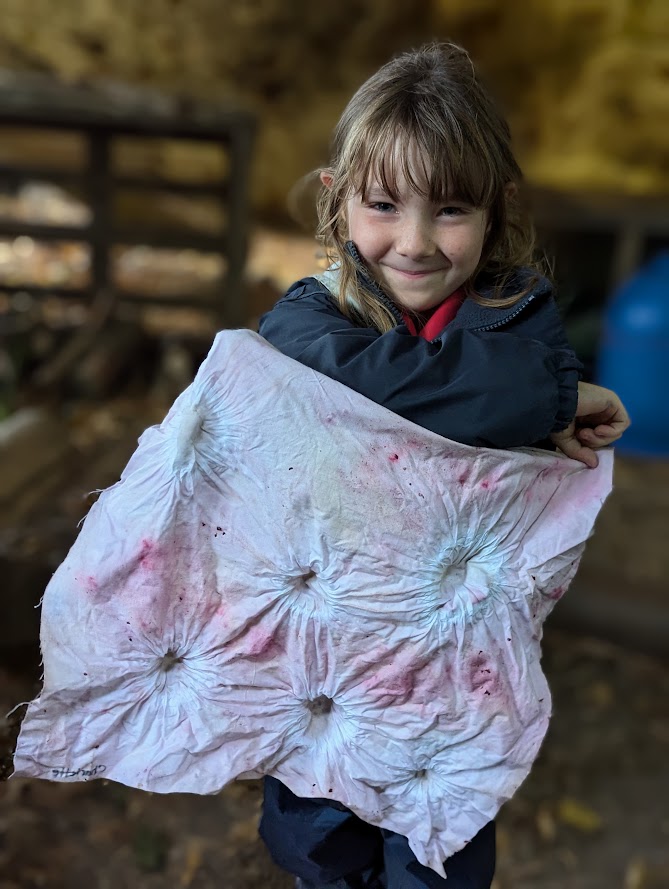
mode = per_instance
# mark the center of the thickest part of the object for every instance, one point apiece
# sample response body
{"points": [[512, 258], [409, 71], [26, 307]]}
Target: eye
{"points": [[452, 210], [382, 206]]}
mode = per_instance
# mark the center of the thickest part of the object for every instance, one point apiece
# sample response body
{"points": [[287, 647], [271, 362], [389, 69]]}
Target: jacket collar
{"points": [[370, 284]]}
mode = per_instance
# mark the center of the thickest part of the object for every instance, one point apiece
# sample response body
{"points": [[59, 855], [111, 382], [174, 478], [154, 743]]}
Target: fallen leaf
{"points": [[576, 814], [635, 874], [546, 824], [194, 849]]}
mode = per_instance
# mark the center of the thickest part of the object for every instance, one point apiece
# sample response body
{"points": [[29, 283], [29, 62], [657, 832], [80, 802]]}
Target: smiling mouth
{"points": [[417, 274]]}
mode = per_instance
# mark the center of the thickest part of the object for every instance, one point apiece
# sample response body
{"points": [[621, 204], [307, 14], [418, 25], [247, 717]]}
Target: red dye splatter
{"points": [[485, 484], [393, 458], [463, 478]]}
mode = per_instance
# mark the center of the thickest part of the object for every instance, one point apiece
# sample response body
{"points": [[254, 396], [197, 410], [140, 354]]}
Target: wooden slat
{"points": [[194, 300], [39, 291], [217, 129], [214, 189], [39, 100], [75, 179], [17, 176], [13, 228], [199, 301], [233, 308], [177, 239]]}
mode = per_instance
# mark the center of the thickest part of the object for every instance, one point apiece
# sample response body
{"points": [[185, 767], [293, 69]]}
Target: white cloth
{"points": [[291, 580]]}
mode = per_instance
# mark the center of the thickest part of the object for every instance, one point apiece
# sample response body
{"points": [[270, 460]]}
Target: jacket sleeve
{"points": [[482, 388]]}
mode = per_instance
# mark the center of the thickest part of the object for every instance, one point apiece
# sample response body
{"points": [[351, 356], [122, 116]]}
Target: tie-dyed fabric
{"points": [[291, 580]]}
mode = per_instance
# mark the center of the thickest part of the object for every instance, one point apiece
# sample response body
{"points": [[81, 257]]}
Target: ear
{"points": [[510, 190], [326, 178]]}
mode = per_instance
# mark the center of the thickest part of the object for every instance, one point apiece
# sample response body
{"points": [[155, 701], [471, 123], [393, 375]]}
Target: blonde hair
{"points": [[432, 101]]}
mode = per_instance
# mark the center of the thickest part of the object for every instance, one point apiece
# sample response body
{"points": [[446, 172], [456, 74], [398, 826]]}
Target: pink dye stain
{"points": [[149, 628], [394, 458], [147, 554], [548, 478], [482, 677], [431, 682], [389, 682], [529, 494], [557, 593], [412, 683], [551, 476], [261, 644], [91, 584], [463, 478], [477, 595]]}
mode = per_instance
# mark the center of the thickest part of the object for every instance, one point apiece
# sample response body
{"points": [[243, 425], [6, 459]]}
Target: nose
{"points": [[415, 238]]}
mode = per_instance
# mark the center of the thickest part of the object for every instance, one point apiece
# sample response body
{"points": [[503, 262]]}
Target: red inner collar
{"points": [[441, 316]]}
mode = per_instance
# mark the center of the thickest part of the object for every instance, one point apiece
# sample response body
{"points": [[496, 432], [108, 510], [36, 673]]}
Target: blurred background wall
{"points": [[585, 82]]}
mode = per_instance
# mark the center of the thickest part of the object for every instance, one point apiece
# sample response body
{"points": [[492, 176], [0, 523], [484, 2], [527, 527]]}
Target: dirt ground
{"points": [[594, 813]]}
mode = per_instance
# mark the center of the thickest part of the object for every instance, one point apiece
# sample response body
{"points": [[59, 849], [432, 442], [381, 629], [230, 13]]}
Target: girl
{"points": [[433, 307]]}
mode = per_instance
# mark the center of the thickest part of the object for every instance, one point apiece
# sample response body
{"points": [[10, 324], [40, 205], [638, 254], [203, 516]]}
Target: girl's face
{"points": [[419, 251]]}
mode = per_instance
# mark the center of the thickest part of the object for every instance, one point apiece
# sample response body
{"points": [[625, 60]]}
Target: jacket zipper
{"points": [[504, 320]]}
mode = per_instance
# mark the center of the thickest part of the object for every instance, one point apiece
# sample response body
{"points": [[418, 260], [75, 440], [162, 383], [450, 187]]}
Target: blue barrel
{"points": [[634, 357]]}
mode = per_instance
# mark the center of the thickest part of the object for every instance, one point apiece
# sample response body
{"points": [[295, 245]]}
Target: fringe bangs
{"points": [[439, 163]]}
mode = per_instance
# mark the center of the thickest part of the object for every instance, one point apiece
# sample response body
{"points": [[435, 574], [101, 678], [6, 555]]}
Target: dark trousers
{"points": [[325, 844]]}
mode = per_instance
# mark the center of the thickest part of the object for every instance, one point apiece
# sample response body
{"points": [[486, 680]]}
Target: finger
{"points": [[620, 419], [605, 415], [573, 448], [613, 430], [612, 418], [621, 422], [599, 437]]}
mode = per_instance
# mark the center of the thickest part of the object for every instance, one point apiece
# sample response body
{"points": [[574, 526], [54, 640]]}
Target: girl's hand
{"points": [[600, 420]]}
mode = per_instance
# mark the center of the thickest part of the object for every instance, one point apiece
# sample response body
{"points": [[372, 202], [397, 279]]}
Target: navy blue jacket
{"points": [[495, 377]]}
